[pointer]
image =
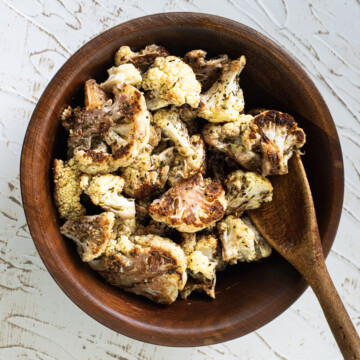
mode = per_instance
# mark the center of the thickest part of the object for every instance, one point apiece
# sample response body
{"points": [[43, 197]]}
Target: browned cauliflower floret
{"points": [[246, 191], [241, 241], [146, 176], [190, 205], [147, 265], [171, 81], [184, 167], [67, 189], [202, 263], [142, 59], [227, 139], [174, 129], [127, 134], [122, 74], [224, 101], [85, 128], [105, 191], [90, 233], [188, 242], [95, 96], [206, 71], [275, 136]]}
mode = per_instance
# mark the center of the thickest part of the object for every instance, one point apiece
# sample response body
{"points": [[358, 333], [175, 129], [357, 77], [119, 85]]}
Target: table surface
{"points": [[38, 321]]}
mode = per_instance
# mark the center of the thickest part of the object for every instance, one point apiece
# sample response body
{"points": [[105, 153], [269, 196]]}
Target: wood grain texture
{"points": [[38, 321], [289, 223]]}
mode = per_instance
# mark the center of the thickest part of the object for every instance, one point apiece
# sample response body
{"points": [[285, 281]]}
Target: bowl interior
{"points": [[248, 295]]}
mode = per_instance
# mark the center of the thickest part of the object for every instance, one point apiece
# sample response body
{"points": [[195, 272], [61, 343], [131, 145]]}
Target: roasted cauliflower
{"points": [[227, 139], [206, 71], [202, 263], [165, 147], [127, 134], [168, 120], [146, 176], [95, 96], [67, 189], [224, 101], [275, 136], [142, 59], [90, 233], [246, 191], [147, 265], [191, 205], [184, 167], [171, 81], [105, 191], [122, 74], [240, 242]]}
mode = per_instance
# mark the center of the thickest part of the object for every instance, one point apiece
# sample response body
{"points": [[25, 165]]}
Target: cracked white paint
{"points": [[37, 320]]}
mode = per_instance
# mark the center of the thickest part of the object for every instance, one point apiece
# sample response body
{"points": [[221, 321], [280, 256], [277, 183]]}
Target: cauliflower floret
{"points": [[90, 233], [186, 166], [147, 265], [246, 191], [171, 81], [122, 74], [95, 96], [67, 189], [190, 205], [148, 174], [173, 128], [224, 101], [202, 263], [275, 136], [227, 139], [105, 190], [127, 134], [125, 227], [142, 59], [188, 242], [206, 71], [86, 127], [240, 242]]}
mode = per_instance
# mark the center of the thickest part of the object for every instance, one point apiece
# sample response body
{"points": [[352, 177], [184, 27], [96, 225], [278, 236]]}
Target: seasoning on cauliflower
{"points": [[206, 71], [67, 189], [246, 191], [188, 242], [85, 128], [147, 265], [95, 96], [174, 129], [142, 59], [202, 264], [122, 74], [155, 136], [105, 191], [171, 81], [146, 176], [127, 134], [90, 233], [184, 167], [227, 139], [190, 205], [274, 136], [224, 101], [240, 242]]}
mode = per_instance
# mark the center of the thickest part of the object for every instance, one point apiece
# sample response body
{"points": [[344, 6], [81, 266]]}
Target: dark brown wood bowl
{"points": [[248, 296]]}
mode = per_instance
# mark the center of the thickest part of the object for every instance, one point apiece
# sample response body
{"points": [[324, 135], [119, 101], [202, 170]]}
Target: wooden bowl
{"points": [[248, 296]]}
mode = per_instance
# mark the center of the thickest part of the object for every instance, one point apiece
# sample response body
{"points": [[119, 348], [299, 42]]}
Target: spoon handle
{"points": [[337, 317]]}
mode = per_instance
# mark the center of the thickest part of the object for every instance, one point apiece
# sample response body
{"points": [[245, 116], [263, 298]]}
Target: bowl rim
{"points": [[89, 304]]}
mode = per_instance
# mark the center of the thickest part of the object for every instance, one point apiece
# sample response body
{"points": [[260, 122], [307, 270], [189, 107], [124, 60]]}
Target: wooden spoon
{"points": [[289, 224]]}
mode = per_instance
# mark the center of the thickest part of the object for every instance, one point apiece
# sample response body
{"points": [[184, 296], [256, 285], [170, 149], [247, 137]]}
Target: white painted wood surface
{"points": [[37, 320]]}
